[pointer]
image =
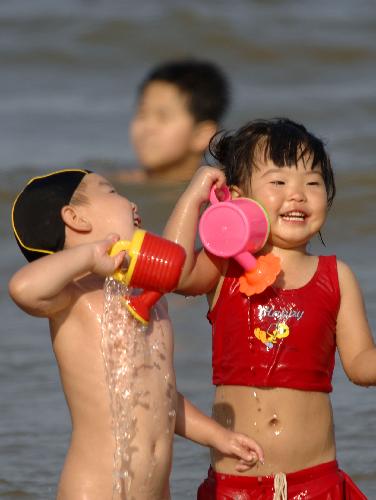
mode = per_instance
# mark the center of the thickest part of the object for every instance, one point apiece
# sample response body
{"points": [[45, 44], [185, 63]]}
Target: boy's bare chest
{"points": [[101, 316]]}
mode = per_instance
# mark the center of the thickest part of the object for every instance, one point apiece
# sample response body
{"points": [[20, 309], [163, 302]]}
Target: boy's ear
{"points": [[204, 131], [74, 219]]}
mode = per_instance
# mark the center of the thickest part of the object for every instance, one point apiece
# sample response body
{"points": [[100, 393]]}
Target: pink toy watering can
{"points": [[235, 228], [239, 228]]}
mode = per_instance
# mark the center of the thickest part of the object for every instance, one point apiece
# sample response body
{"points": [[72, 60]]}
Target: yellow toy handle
{"points": [[133, 248], [120, 246]]}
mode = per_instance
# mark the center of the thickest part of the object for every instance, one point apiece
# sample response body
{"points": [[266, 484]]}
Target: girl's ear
{"points": [[236, 192], [75, 220]]}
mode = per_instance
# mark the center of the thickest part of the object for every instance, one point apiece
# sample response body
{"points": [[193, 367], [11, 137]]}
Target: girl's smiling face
{"points": [[295, 199]]}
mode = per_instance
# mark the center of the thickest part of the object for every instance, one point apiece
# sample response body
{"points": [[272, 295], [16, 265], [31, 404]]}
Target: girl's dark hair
{"points": [[281, 140]]}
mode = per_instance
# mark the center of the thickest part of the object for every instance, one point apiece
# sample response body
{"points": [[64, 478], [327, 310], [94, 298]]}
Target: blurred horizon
{"points": [[69, 71]]}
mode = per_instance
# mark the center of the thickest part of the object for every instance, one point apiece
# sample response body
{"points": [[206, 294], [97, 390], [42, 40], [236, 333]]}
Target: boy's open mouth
{"points": [[294, 216]]}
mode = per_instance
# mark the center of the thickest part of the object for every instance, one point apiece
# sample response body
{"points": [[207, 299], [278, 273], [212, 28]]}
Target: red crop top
{"points": [[278, 338]]}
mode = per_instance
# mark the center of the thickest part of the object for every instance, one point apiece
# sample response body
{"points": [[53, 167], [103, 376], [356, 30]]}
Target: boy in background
{"points": [[180, 106], [61, 222]]}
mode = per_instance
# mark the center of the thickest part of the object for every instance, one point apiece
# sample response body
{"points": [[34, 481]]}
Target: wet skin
{"points": [[76, 338], [294, 427], [87, 472], [281, 420]]}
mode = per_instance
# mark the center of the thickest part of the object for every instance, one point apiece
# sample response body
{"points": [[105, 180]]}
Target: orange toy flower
{"points": [[260, 277]]}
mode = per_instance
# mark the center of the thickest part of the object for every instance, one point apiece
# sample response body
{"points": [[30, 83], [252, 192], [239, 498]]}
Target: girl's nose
{"points": [[297, 193]]}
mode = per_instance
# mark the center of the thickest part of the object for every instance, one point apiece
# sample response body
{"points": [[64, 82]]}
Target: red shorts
{"points": [[322, 482]]}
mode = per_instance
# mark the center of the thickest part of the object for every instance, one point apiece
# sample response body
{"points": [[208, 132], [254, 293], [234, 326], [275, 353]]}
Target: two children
{"points": [[180, 105], [62, 223], [273, 387]]}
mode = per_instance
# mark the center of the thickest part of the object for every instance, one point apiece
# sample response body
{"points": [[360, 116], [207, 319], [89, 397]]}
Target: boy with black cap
{"points": [[61, 223]]}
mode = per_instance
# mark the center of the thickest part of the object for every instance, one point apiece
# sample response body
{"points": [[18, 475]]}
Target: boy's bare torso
{"points": [[89, 466]]}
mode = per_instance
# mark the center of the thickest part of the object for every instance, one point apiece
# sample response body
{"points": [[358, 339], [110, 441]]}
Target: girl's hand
{"points": [[202, 182], [236, 445], [104, 265]]}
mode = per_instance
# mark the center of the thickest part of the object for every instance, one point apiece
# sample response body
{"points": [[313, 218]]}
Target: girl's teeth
{"points": [[294, 216]]}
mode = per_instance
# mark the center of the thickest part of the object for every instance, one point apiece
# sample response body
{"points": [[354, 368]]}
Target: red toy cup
{"points": [[155, 265]]}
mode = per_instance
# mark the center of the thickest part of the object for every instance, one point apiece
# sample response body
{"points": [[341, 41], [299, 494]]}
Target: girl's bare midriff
{"points": [[89, 466], [280, 420]]}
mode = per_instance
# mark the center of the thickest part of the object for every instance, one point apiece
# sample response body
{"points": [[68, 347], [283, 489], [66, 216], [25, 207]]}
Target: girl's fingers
{"points": [[255, 447], [244, 453], [242, 468]]}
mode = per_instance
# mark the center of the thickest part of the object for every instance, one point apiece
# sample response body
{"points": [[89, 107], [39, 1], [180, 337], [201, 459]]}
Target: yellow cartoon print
{"points": [[281, 331]]}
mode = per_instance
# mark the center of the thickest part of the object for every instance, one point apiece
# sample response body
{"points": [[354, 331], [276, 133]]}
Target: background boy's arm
{"points": [[44, 287], [356, 346], [201, 271], [192, 424]]}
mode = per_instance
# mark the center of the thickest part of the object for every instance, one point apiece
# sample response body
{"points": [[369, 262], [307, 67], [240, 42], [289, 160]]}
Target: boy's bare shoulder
{"points": [[85, 307], [88, 291]]}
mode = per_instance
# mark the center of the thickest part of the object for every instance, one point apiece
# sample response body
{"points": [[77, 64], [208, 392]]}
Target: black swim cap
{"points": [[36, 213]]}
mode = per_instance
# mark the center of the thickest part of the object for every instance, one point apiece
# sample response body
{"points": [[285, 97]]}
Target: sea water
{"points": [[69, 76]]}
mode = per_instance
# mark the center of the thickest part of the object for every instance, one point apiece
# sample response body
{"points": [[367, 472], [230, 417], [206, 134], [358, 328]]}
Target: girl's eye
{"points": [[277, 183], [314, 183]]}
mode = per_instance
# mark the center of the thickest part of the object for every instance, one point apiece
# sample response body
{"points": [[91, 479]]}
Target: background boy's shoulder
{"points": [[136, 176]]}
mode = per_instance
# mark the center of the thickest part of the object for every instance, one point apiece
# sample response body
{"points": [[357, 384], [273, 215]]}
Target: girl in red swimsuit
{"points": [[274, 352]]}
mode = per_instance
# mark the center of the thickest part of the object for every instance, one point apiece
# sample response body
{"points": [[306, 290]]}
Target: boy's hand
{"points": [[104, 264], [202, 182], [239, 446]]}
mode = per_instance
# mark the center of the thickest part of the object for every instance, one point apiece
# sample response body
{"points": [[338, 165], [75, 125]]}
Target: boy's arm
{"points": [[201, 271], [192, 424], [355, 344], [43, 287]]}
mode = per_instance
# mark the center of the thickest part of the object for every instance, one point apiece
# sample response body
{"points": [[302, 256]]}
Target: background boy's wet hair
{"points": [[281, 140], [203, 82]]}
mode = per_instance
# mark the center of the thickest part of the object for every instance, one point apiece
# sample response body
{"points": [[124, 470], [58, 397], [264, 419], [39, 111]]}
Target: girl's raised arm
{"points": [[201, 271]]}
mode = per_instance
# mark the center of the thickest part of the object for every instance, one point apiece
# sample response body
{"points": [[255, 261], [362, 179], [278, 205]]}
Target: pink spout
{"points": [[246, 260]]}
